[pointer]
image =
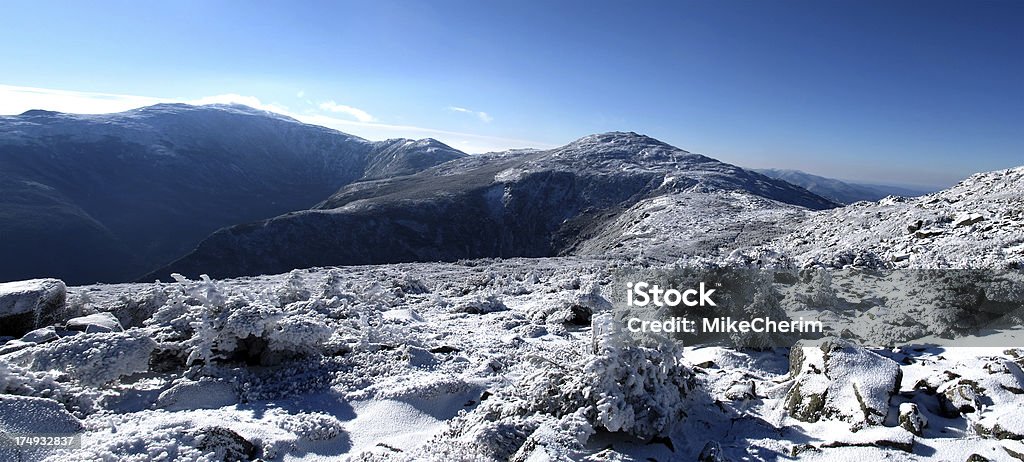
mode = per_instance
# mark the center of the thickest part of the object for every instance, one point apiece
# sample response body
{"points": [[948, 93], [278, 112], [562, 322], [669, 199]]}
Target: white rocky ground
{"points": [[484, 360], [500, 359], [979, 223]]}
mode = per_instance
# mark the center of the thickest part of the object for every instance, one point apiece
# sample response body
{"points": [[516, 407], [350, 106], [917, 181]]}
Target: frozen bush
{"points": [[312, 426], [92, 359]]}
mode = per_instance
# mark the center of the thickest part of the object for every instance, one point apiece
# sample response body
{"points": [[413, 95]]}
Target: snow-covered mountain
{"points": [[110, 197], [517, 204], [842, 192]]}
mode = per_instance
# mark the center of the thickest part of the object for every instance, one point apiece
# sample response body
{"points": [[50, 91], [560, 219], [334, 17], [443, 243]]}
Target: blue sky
{"points": [[909, 92]]}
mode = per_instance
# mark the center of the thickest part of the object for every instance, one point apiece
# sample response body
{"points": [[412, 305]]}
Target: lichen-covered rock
{"points": [[27, 305], [840, 380]]}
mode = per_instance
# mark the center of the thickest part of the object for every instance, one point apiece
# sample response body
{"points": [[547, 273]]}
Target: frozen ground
{"points": [[478, 360]]}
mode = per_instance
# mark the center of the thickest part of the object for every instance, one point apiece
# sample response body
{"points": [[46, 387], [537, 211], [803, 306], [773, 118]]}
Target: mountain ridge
{"points": [[111, 196], [520, 204], [844, 192]]}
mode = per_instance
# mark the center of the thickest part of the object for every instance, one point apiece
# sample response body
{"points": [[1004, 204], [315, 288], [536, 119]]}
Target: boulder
{"points": [[837, 379], [225, 444], [967, 219], [41, 335], [911, 419], [1003, 422], [205, 393], [961, 397], [28, 305]]}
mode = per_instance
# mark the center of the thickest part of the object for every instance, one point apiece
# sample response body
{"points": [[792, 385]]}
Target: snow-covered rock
{"points": [[1004, 422], [838, 379], [27, 305], [911, 418], [205, 393], [41, 335], [99, 322]]}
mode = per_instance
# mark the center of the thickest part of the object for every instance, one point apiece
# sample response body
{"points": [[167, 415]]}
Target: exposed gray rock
{"points": [[225, 444]]}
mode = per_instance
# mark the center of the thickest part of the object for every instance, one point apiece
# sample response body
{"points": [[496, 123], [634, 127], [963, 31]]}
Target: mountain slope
{"points": [[979, 223], [517, 204], [109, 197], [836, 190]]}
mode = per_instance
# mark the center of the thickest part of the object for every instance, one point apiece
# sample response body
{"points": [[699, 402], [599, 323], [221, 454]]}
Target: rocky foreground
{"points": [[477, 360]]}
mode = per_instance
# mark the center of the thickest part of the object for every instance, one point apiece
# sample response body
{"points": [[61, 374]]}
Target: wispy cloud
{"points": [[18, 99], [483, 116], [355, 112]]}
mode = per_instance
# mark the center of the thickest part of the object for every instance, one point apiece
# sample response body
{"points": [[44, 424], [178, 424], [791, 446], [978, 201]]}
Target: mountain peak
{"points": [[622, 139], [38, 113]]}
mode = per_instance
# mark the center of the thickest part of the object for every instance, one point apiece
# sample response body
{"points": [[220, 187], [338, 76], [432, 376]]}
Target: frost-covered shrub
{"points": [[555, 407], [293, 289], [301, 335], [765, 303], [16, 380], [312, 426], [556, 439], [635, 389], [820, 293], [256, 333], [206, 322], [91, 359]]}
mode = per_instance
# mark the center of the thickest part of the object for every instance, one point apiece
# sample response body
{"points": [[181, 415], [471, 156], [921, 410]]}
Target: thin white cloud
{"points": [[232, 98], [301, 94], [355, 112], [17, 99], [483, 116]]}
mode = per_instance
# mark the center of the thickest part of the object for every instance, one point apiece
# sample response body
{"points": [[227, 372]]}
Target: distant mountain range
{"points": [[841, 191], [228, 190], [109, 198], [515, 204]]}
